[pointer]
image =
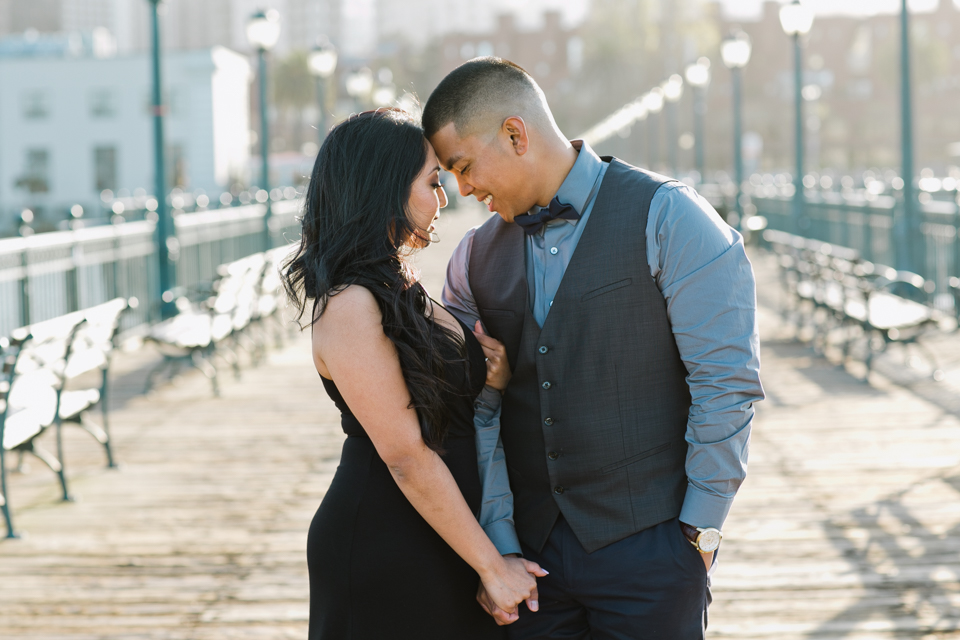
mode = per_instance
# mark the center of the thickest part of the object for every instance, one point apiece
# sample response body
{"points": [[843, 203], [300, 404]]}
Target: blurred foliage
{"points": [[293, 85]]}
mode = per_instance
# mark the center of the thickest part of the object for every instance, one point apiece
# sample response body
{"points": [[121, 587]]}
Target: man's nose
{"points": [[465, 187]]}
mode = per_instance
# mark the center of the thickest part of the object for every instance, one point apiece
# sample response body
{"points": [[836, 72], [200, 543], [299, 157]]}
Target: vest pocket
{"points": [[500, 313], [635, 458], [606, 289]]}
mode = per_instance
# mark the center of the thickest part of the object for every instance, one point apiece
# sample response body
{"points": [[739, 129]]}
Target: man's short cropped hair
{"points": [[480, 94]]}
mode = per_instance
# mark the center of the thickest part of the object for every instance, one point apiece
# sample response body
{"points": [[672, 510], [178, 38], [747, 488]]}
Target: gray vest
{"points": [[594, 417]]}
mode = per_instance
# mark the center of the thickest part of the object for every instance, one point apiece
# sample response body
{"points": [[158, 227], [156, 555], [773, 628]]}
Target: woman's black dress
{"points": [[378, 571]]}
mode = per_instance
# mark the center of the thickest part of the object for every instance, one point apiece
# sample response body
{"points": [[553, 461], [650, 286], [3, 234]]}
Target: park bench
{"points": [[39, 362], [208, 330], [833, 291], [34, 359], [91, 352]]}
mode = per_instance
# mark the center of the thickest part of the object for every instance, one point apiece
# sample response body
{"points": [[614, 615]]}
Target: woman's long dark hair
{"points": [[354, 232]]}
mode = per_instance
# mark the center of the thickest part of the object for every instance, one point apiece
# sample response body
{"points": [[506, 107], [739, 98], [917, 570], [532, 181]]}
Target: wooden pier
{"points": [[847, 527]]}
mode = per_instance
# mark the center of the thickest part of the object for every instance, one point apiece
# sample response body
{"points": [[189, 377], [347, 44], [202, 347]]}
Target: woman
{"points": [[395, 549]]}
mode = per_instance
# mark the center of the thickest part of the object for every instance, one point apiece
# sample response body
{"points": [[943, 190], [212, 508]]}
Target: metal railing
{"points": [[871, 226], [49, 274]]}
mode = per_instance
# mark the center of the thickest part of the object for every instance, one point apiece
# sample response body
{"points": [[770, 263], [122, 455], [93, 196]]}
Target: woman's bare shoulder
{"points": [[351, 309]]}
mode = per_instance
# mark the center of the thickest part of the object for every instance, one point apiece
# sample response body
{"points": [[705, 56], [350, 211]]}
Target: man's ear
{"points": [[516, 130]]}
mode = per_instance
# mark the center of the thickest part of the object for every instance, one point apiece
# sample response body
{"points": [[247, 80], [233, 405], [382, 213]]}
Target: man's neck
{"points": [[562, 156]]}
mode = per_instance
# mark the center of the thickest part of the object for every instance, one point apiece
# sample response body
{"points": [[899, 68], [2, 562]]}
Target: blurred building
{"points": [[74, 124], [552, 54]]}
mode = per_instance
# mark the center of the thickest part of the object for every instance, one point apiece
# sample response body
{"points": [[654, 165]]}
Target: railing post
{"points": [[72, 285], [24, 289]]}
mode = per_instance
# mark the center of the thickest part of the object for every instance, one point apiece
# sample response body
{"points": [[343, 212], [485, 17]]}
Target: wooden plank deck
{"points": [[848, 526]]}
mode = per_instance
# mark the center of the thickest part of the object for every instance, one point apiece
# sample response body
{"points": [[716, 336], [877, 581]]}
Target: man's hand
{"points": [[708, 559]]}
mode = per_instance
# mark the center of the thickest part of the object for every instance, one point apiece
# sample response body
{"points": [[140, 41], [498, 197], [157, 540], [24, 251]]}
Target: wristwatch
{"points": [[704, 540]]}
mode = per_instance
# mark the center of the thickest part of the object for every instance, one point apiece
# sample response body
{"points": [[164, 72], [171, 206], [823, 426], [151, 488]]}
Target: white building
{"points": [[73, 126]]}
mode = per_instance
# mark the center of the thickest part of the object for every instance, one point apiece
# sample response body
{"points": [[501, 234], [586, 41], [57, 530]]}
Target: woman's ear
{"points": [[516, 130]]}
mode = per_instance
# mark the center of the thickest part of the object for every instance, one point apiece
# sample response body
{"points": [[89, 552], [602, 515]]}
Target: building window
{"points": [[36, 173], [36, 105], [105, 168], [102, 103]]}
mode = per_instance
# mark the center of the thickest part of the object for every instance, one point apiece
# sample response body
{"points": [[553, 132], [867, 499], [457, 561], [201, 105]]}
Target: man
{"points": [[627, 307]]}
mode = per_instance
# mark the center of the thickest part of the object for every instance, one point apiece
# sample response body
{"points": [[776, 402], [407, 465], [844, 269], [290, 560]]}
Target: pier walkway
{"points": [[847, 527]]}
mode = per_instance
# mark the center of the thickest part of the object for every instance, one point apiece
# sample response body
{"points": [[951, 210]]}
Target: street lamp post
{"points": [[735, 52], [796, 20], [698, 76], [672, 91], [323, 62], [165, 237], [263, 31], [909, 251], [653, 101]]}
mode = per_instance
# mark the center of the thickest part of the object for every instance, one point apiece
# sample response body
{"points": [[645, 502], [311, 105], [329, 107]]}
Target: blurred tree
{"points": [[293, 91]]}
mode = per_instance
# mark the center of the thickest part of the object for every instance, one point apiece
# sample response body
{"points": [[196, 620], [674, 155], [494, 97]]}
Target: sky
{"points": [[751, 8]]}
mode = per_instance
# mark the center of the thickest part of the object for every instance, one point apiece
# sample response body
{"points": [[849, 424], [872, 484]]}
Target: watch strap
{"points": [[690, 533]]}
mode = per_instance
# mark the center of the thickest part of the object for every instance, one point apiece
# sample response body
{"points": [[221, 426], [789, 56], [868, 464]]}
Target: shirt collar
{"points": [[579, 182]]}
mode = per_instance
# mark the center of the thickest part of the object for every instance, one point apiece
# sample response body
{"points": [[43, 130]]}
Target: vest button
{"points": [[553, 455], [548, 421], [558, 489], [546, 385], [542, 349]]}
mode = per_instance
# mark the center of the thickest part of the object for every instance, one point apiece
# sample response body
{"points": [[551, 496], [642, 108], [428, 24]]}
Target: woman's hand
{"points": [[506, 587], [498, 369]]}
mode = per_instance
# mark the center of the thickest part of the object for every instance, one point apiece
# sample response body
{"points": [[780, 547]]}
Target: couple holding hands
{"points": [[511, 469]]}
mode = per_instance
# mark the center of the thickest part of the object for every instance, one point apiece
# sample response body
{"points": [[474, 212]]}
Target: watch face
{"points": [[708, 540]]}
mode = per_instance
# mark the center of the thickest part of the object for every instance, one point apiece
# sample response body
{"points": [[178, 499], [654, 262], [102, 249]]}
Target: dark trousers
{"points": [[652, 584]]}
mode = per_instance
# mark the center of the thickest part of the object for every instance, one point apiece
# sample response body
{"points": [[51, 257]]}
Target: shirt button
{"points": [[543, 349], [554, 251], [548, 421], [551, 303], [553, 455], [545, 385], [558, 489]]}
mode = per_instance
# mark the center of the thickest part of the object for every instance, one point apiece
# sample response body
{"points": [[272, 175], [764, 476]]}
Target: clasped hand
{"points": [[501, 592]]}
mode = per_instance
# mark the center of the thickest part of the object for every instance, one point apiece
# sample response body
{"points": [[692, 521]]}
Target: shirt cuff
{"points": [[487, 403], [702, 509], [503, 536]]}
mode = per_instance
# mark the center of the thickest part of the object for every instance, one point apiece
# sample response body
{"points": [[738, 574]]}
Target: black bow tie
{"points": [[532, 223]]}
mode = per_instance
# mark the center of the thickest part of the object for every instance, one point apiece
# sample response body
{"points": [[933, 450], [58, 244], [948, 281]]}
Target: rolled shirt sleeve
{"points": [[701, 267], [496, 508]]}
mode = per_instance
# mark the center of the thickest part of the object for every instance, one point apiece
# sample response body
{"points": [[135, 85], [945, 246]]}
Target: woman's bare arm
{"points": [[349, 343]]}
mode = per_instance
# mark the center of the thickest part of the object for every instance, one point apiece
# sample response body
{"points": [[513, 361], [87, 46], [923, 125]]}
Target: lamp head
{"points": [[796, 18], [323, 59], [360, 82], [698, 73], [263, 29], [735, 50]]}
